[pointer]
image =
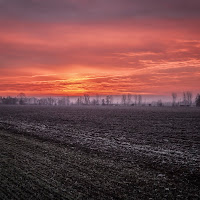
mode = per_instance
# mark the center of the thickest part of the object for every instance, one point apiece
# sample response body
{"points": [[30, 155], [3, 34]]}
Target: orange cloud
{"points": [[135, 56]]}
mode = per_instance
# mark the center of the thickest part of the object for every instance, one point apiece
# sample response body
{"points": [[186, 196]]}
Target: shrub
{"points": [[197, 101]]}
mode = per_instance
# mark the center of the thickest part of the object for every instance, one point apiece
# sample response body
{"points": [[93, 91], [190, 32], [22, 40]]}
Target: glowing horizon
{"points": [[106, 47]]}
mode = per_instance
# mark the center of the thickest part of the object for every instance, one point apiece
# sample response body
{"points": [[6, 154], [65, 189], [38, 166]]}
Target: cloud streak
{"points": [[95, 10]]}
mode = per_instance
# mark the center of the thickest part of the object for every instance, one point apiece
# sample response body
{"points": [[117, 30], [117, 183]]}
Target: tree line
{"points": [[86, 99], [186, 99]]}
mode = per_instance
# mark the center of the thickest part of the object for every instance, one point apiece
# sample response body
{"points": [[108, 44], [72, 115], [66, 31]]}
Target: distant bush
{"points": [[197, 101]]}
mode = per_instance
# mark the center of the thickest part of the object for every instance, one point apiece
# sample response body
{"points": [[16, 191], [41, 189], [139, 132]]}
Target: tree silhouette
{"points": [[109, 100], [86, 99], [139, 99], [189, 97], [124, 99], [22, 98], [174, 96], [197, 101], [136, 98], [129, 98]]}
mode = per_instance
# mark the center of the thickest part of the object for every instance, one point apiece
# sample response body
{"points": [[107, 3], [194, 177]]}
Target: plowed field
{"points": [[99, 153]]}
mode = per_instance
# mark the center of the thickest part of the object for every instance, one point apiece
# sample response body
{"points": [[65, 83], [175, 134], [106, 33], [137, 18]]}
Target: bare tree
{"points": [[189, 97], [103, 102], [97, 99], [67, 100], [124, 99], [129, 98], [79, 101], [174, 96], [136, 98], [61, 101], [197, 100], [159, 103], [109, 99], [21, 95], [184, 98], [86, 99], [50, 101], [22, 98], [139, 99]]}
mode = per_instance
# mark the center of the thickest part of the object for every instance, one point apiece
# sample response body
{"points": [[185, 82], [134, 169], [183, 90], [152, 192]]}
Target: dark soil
{"points": [[99, 153]]}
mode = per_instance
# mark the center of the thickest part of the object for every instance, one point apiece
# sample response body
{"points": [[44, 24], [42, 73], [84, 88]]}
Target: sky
{"points": [[73, 47]]}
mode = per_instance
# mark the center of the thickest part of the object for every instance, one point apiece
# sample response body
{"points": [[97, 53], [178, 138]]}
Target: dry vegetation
{"points": [[99, 153]]}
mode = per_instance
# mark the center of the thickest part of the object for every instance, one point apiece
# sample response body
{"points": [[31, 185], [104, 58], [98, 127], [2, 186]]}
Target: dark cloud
{"points": [[91, 10]]}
